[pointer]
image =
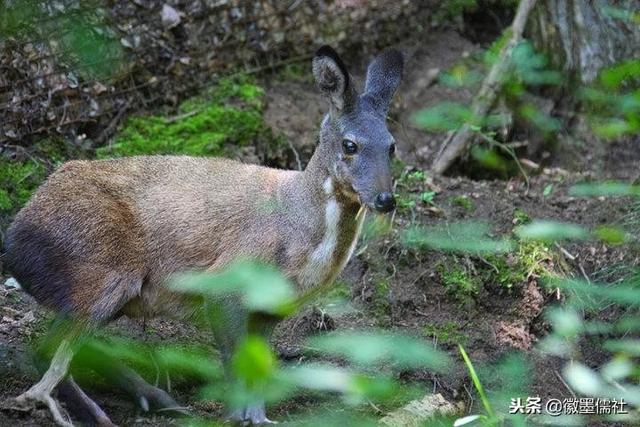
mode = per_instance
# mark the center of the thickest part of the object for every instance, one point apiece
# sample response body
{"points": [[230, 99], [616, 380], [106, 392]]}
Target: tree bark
{"points": [[584, 36]]}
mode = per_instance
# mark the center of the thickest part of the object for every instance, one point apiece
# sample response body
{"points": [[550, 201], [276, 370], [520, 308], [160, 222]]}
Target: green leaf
{"points": [[612, 128], [566, 321], [610, 235], [469, 419], [369, 348], [328, 378], [624, 293], [554, 344], [488, 158], [459, 237], [550, 231], [261, 287], [444, 116], [628, 346], [617, 369], [427, 196], [460, 76], [254, 361], [476, 382], [604, 189], [583, 379], [189, 362], [614, 76]]}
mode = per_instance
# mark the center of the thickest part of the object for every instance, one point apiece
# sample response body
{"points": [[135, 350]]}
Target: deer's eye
{"points": [[392, 150], [349, 147]]}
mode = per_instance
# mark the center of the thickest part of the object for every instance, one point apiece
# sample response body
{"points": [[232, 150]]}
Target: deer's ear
{"points": [[383, 78], [332, 77]]}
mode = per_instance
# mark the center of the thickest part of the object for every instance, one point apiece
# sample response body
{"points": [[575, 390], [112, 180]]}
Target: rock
{"points": [[29, 317], [12, 283], [170, 17], [416, 412]]}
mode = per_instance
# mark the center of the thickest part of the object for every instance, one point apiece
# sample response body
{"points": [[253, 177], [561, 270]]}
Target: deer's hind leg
{"points": [[147, 396], [63, 337], [92, 306], [82, 406], [42, 391]]}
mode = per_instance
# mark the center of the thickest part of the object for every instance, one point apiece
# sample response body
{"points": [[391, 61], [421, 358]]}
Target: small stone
{"points": [[99, 88], [170, 17], [131, 42], [416, 412], [12, 283], [29, 317]]}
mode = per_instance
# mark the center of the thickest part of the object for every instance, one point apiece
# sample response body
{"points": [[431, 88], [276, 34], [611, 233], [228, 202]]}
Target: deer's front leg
{"points": [[231, 323]]}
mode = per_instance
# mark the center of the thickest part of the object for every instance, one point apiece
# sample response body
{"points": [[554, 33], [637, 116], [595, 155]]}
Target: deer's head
{"points": [[354, 134]]}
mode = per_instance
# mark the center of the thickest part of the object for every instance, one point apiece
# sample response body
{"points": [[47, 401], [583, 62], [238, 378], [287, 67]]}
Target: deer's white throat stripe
{"points": [[327, 185], [319, 263]]}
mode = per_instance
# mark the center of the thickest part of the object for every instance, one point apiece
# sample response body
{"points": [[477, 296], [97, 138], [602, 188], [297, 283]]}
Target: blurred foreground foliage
{"points": [[79, 33], [613, 101], [367, 372], [610, 104]]}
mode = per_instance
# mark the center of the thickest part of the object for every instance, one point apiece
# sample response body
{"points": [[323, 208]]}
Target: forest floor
{"points": [[390, 285]]}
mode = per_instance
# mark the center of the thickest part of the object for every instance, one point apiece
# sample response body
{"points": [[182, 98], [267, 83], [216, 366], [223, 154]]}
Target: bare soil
{"points": [[496, 324]]}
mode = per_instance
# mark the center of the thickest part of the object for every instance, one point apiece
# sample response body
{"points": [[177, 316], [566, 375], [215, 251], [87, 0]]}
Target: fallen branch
{"points": [[487, 94]]}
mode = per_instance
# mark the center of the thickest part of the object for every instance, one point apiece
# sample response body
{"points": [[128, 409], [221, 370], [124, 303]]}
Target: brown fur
{"points": [[105, 235]]}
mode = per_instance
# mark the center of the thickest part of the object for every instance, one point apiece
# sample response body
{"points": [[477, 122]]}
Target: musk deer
{"points": [[99, 238]]}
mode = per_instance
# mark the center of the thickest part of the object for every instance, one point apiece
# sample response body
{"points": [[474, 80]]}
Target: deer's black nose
{"points": [[385, 202]]}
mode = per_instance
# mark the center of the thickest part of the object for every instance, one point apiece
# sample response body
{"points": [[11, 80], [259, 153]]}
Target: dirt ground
{"points": [[495, 325]]}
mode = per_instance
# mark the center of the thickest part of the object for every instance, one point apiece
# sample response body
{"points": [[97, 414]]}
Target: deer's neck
{"points": [[338, 216]]}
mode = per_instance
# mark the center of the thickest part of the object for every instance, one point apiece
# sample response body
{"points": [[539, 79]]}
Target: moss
{"points": [[447, 333], [227, 116], [381, 305], [464, 202], [506, 271], [520, 217], [459, 283], [21, 177], [537, 258], [510, 271], [18, 180]]}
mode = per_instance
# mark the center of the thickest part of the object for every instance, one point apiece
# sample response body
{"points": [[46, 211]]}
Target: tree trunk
{"points": [[584, 36]]}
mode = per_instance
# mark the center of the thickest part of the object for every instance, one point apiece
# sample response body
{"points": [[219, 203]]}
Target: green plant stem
{"points": [[477, 383]]}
